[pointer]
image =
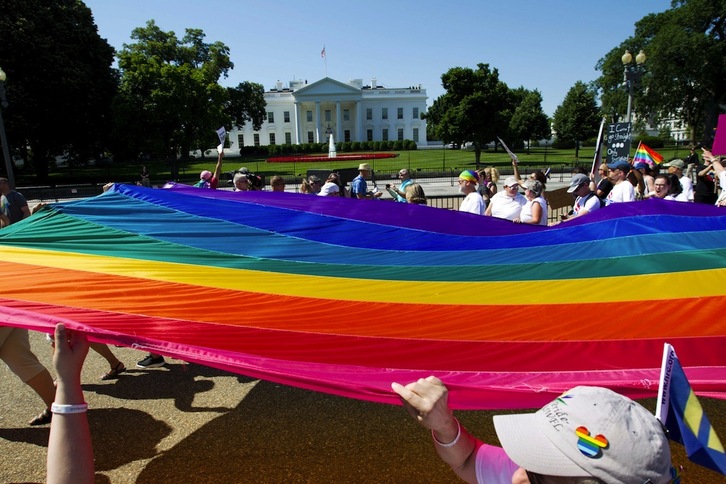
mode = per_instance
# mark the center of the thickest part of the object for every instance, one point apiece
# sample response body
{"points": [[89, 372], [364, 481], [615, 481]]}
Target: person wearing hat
{"points": [[359, 186], [473, 202], [623, 190], [586, 200], [208, 179], [587, 434], [508, 203], [534, 212], [676, 167], [647, 174], [400, 192]]}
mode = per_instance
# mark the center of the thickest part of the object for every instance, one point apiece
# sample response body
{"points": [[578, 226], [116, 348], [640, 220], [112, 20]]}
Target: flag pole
{"points": [[598, 149], [325, 60]]}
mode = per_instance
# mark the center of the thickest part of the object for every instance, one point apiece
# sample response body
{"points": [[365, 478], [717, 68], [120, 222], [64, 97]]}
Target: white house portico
{"points": [[307, 113]]}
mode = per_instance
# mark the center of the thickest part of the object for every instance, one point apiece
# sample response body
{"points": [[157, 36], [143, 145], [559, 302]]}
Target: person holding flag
{"points": [[682, 415], [208, 179]]}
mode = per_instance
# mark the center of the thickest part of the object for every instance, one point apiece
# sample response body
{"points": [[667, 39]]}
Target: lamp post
{"points": [[3, 136], [633, 72]]}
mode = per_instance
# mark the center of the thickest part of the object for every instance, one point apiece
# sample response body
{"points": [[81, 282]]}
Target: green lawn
{"points": [[420, 160]]}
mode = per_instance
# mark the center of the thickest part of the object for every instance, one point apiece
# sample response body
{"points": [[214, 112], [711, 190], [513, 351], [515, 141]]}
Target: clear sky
{"points": [[539, 44]]}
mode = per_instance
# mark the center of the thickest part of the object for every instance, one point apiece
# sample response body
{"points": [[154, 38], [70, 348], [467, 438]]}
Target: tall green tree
{"points": [[60, 81], [578, 117], [169, 99], [472, 109], [529, 121], [246, 104], [685, 67]]}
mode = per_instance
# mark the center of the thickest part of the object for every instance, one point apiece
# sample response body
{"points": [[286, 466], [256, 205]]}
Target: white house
{"points": [[307, 113]]}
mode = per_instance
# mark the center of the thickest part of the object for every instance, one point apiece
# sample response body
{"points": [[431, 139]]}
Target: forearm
{"points": [[457, 448], [70, 453]]}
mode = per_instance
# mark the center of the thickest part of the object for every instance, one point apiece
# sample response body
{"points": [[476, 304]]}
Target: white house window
{"points": [[415, 135], [309, 116], [415, 113], [286, 115], [241, 140], [369, 134], [346, 135], [272, 139], [400, 134], [346, 114], [271, 117], [369, 114], [399, 113], [311, 137], [385, 134], [328, 115], [384, 113], [288, 138], [257, 139]]}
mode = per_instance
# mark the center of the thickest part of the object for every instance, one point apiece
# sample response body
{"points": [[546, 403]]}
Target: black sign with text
{"points": [[618, 142]]}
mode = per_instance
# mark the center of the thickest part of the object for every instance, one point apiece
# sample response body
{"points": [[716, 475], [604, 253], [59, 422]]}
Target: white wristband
{"points": [[453, 442], [63, 409]]}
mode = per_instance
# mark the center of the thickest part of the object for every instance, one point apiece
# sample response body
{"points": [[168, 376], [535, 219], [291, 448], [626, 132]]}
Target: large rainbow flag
{"points": [[345, 296]]}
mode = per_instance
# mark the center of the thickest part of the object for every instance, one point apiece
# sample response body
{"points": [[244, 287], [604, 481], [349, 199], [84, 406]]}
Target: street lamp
{"points": [[3, 136], [633, 72]]}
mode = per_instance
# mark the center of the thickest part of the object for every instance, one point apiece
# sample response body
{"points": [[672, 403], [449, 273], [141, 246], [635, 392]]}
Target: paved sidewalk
{"points": [[192, 424]]}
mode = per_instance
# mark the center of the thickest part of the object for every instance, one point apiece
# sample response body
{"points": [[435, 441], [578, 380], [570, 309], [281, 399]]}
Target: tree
{"points": [[472, 109], [60, 81], [685, 67], [578, 117], [246, 105], [529, 120], [170, 100]]}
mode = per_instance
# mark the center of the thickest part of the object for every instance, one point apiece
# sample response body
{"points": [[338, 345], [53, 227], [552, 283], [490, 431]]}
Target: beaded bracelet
{"points": [[66, 409], [453, 442]]}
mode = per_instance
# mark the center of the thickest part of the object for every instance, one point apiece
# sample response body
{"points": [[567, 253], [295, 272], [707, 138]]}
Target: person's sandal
{"points": [[114, 372], [42, 419]]}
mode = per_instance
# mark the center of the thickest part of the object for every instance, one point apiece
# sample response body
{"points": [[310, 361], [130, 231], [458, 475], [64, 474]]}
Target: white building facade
{"points": [[308, 113]]}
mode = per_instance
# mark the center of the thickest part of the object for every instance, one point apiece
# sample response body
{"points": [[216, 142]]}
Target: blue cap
{"points": [[620, 165]]}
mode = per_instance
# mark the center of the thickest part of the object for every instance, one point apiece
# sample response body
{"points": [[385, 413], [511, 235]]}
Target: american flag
{"points": [[322, 52]]}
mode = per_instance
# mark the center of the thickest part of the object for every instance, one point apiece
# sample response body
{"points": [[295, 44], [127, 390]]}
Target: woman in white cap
{"points": [[534, 212], [586, 435]]}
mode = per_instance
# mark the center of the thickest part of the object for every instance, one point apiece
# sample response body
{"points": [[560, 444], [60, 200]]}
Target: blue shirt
{"points": [[358, 186]]}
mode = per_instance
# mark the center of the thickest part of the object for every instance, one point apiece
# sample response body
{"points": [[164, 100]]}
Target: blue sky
{"points": [[546, 45]]}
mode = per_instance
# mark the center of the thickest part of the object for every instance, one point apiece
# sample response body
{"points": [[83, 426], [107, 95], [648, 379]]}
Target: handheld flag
{"points": [[506, 148], [681, 413], [222, 135], [719, 142], [647, 155]]}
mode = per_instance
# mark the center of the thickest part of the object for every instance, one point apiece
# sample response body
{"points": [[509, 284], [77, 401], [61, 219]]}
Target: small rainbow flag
{"points": [[647, 155]]}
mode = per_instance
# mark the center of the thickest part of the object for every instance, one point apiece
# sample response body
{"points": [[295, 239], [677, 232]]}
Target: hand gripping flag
{"points": [[647, 155], [681, 413]]}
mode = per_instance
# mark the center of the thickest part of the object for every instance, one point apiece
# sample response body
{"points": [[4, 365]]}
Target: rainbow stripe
{"points": [[647, 155], [345, 296]]}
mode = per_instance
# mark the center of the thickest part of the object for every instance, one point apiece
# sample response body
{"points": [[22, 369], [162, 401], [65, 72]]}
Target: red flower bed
{"points": [[298, 159]]}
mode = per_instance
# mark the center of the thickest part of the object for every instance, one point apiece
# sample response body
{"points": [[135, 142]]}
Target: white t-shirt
{"points": [[681, 197], [589, 203], [526, 214], [722, 182], [473, 203], [687, 186], [329, 188], [622, 192], [504, 206]]}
